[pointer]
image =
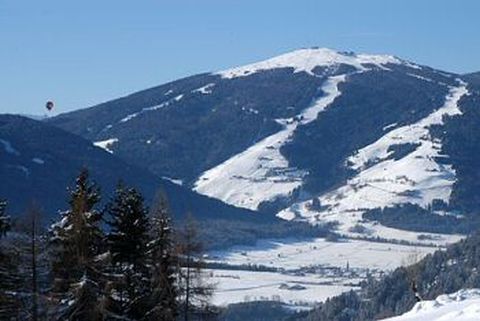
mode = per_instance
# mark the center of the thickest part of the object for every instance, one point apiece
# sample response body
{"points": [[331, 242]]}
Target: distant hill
{"points": [[38, 162]]}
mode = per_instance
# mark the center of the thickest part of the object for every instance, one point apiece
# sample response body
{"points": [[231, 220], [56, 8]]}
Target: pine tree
{"points": [[127, 245], [87, 300], [76, 238], [195, 292], [9, 266], [76, 243], [4, 219], [163, 297]]}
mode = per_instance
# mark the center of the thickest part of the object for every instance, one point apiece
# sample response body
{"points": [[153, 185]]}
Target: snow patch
{"points": [[106, 144], [21, 168], [128, 117], [156, 107], [7, 146], [174, 180], [38, 161], [250, 110], [207, 89], [463, 305], [389, 127]]}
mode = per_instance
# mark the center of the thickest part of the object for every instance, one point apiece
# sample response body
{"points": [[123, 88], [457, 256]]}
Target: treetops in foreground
{"points": [[122, 263]]}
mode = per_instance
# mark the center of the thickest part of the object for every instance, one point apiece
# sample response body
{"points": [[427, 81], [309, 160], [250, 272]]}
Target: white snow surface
{"points": [[20, 168], [173, 180], [38, 161], [382, 182], [106, 144], [261, 172], [242, 286], [305, 60], [152, 108], [308, 270], [207, 89], [463, 305], [7, 146], [290, 254]]}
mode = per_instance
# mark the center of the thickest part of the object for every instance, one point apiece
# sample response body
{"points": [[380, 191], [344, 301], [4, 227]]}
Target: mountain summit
{"points": [[307, 60]]}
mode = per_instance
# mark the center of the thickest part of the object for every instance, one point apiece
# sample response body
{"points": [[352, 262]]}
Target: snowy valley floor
{"points": [[304, 272]]}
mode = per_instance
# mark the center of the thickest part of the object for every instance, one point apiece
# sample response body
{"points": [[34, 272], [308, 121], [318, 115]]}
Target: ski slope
{"points": [[463, 305], [261, 172], [383, 181]]}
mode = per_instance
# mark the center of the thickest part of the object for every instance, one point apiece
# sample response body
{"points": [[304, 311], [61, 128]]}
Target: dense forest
{"points": [[123, 262], [442, 272]]}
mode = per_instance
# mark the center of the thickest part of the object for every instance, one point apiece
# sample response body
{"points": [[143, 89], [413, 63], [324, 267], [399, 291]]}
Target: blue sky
{"points": [[79, 53]]}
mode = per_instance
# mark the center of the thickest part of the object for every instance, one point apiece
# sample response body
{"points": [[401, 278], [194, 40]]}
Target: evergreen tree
{"points": [[127, 244], [163, 297], [9, 265], [11, 283], [128, 236], [88, 301], [76, 243], [4, 219]]}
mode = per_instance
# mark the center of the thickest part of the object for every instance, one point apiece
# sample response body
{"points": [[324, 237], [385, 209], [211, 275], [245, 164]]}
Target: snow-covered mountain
{"points": [[38, 162], [463, 305], [314, 134]]}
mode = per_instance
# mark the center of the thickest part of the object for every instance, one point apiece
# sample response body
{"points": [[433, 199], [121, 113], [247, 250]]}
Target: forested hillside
{"points": [[443, 272], [38, 162]]}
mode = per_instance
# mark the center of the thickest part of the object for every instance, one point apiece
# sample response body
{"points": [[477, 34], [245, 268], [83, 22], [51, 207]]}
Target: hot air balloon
{"points": [[49, 105]]}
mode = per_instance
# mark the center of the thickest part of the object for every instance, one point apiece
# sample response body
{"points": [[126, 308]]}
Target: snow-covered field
{"points": [[308, 271], [292, 254], [241, 286], [463, 305]]}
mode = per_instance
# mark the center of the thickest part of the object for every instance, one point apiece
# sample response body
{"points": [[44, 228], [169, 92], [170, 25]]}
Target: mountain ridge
{"points": [[40, 161], [200, 124]]}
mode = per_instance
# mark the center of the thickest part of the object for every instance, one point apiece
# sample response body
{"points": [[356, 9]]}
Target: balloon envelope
{"points": [[49, 105]]}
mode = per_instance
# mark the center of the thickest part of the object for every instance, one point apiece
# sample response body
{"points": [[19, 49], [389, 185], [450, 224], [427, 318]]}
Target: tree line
{"points": [[124, 262]]}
